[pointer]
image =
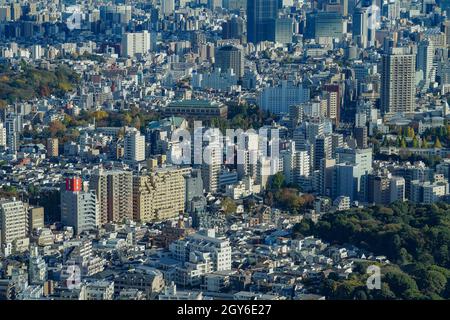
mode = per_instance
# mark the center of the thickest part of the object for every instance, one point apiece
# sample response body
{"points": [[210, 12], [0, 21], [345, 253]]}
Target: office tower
{"points": [[13, 223], [277, 99], [333, 102], [398, 81], [2, 135], [347, 181], [114, 189], [283, 30], [136, 43], [322, 149], [167, 7], [134, 145], [360, 134], [360, 27], [230, 58], [363, 157], [52, 147], [261, 15], [35, 218], [233, 28], [160, 194], [326, 177], [324, 25], [424, 63], [361, 160], [79, 209]]}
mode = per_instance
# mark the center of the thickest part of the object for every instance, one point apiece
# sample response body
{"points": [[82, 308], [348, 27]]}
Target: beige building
{"points": [[160, 194], [114, 189], [36, 218], [52, 147], [13, 223]]}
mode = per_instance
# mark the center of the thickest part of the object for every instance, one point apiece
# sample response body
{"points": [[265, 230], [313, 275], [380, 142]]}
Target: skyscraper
{"points": [[324, 24], [398, 81], [233, 28], [424, 63], [230, 57], [261, 16], [360, 27]]}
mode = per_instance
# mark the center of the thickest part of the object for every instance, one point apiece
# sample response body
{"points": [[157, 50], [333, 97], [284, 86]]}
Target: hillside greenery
{"points": [[415, 238], [26, 82]]}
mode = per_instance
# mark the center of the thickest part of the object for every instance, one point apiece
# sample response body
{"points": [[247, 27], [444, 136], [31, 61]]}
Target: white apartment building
{"points": [[134, 145], [217, 250], [278, 99], [136, 43]]}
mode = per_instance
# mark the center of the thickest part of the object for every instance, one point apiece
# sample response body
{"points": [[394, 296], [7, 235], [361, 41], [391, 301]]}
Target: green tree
{"points": [[277, 181], [228, 205]]}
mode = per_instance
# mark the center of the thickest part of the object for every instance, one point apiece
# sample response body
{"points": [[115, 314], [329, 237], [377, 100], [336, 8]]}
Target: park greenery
{"points": [[408, 137], [25, 82], [415, 238]]}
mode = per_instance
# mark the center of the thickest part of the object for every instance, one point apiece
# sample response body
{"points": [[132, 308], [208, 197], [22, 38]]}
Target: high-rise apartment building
{"points": [[13, 222], [398, 81], [333, 102], [277, 99], [134, 145], [52, 147], [114, 189], [79, 208], [136, 43], [160, 194]]}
